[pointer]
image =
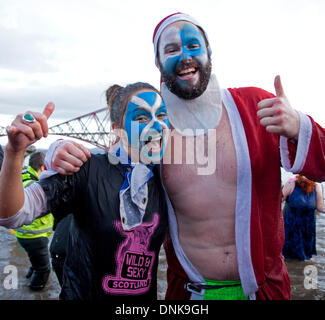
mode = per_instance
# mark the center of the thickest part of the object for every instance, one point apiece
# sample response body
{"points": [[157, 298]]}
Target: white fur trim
{"points": [[304, 138], [243, 197], [189, 117]]}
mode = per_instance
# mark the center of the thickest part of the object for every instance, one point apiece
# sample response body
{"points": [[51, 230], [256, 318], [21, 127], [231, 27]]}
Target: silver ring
{"points": [[27, 117]]}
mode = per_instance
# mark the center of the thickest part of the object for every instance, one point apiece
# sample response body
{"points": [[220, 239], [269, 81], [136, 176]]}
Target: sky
{"points": [[70, 51]]}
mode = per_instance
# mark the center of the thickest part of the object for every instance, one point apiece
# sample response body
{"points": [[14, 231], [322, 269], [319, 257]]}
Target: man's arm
{"points": [[302, 140], [277, 115], [307, 155], [66, 157], [21, 134]]}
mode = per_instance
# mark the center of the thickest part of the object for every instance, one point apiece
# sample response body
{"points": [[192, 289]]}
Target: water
{"points": [[12, 254], [301, 288]]}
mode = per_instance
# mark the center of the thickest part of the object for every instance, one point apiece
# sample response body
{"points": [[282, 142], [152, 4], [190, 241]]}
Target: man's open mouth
{"points": [[187, 74]]}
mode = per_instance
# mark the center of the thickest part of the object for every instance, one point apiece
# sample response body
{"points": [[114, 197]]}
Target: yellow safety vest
{"points": [[41, 227]]}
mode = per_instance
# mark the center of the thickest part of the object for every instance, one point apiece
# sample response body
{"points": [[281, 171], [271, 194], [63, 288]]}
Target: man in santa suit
{"points": [[225, 221]]}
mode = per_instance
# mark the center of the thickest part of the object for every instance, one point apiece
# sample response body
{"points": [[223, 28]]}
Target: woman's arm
{"points": [[319, 199], [35, 205], [11, 187], [288, 189], [21, 134]]}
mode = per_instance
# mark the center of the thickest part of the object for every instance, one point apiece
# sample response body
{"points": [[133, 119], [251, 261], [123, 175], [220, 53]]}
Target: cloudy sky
{"points": [[70, 51]]}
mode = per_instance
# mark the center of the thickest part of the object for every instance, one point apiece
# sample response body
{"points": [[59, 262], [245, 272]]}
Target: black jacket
{"points": [[104, 261], [59, 243]]}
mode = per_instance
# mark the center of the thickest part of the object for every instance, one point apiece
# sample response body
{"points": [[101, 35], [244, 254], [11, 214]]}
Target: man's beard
{"points": [[188, 92]]}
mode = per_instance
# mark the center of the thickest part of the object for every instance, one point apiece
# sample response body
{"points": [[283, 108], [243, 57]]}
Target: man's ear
{"points": [[209, 50], [157, 63]]}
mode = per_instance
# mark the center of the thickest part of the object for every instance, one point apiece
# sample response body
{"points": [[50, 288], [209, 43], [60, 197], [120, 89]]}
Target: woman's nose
{"points": [[157, 126]]}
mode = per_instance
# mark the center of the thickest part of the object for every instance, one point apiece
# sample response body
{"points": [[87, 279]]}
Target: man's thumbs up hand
{"points": [[277, 115], [278, 87]]}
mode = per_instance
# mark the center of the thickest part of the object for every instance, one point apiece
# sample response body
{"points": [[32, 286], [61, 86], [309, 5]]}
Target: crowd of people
{"points": [[220, 221]]}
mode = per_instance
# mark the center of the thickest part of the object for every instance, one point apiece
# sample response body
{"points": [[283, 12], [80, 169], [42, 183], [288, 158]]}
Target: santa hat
{"points": [[179, 16]]}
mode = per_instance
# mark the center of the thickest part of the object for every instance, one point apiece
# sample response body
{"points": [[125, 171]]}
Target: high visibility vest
{"points": [[41, 227]]}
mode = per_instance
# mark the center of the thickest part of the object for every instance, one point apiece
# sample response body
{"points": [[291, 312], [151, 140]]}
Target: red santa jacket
{"points": [[259, 221]]}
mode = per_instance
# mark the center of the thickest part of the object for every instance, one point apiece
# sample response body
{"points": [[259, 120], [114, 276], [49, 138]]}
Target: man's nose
{"points": [[186, 56]]}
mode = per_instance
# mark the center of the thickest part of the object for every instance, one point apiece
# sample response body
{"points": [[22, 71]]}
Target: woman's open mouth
{"points": [[154, 144]]}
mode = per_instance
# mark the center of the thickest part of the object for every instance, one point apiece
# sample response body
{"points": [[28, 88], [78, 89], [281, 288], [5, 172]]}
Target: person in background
{"points": [[29, 151], [303, 198], [34, 238]]}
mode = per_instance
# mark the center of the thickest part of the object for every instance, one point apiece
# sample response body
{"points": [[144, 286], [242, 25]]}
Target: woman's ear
{"points": [[116, 132], [115, 126]]}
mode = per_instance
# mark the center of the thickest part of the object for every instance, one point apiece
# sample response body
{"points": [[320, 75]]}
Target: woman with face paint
{"points": [[118, 203], [144, 123]]}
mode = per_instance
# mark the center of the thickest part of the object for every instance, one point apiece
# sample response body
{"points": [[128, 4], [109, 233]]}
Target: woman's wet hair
{"points": [[117, 98], [305, 184]]}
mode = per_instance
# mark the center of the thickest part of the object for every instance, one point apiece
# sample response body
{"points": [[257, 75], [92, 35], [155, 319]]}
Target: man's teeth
{"points": [[187, 71]]}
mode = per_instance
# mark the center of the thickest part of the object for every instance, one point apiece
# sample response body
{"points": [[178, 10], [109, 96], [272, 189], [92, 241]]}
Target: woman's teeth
{"points": [[156, 139], [154, 144]]}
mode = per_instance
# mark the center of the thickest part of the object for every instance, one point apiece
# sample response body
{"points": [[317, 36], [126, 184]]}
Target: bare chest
{"points": [[201, 181], [203, 164]]}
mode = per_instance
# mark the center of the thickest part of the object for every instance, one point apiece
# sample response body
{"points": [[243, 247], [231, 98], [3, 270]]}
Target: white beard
{"points": [[203, 112]]}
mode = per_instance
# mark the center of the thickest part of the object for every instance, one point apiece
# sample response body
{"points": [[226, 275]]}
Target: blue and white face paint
{"points": [[178, 44], [146, 125], [184, 60]]}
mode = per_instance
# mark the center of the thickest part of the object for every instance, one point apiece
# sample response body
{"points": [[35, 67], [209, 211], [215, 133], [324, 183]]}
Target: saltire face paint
{"points": [[183, 54], [146, 124]]}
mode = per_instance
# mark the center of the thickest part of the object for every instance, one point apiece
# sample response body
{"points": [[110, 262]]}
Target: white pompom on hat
{"points": [[179, 16]]}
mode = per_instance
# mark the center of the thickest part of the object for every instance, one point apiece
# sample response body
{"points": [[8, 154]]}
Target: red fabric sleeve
{"points": [[314, 167], [266, 229]]}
